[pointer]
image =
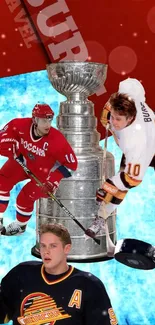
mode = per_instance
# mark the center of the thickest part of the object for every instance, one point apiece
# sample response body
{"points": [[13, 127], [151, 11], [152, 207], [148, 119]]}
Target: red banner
{"points": [[119, 33]]}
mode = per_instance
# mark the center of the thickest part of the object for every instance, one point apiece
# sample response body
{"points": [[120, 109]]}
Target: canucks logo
{"points": [[39, 308]]}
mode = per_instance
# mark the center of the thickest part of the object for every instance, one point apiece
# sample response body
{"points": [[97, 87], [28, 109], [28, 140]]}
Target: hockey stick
{"points": [[110, 245], [28, 172]]}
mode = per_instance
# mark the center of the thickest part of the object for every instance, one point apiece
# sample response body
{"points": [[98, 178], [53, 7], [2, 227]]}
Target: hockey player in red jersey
{"points": [[44, 150], [132, 124], [48, 291]]}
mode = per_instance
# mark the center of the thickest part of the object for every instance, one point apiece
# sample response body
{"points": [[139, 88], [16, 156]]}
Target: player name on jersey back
{"points": [[146, 115]]}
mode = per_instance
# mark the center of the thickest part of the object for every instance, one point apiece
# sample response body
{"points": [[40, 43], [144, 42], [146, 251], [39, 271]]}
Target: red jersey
{"points": [[48, 156]]}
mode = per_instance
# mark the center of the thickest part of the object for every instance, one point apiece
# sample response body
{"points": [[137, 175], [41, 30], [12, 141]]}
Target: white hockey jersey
{"points": [[137, 142]]}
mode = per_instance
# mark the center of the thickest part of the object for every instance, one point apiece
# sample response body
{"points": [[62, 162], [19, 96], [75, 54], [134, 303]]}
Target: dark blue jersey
{"points": [[30, 296]]}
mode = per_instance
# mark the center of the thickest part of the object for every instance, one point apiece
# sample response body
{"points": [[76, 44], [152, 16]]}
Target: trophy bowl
{"points": [[74, 77]]}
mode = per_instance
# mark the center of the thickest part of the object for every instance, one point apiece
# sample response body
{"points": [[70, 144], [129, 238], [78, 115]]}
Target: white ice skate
{"points": [[97, 227], [14, 229]]}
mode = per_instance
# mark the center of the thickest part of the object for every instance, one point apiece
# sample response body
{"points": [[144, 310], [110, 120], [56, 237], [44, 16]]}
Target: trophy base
{"points": [[77, 258]]}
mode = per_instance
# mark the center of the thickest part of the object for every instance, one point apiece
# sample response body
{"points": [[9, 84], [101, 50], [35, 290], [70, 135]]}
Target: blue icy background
{"points": [[132, 292]]}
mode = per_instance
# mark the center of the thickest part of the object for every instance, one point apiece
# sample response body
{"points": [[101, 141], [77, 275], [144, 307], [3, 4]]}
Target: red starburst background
{"points": [[119, 33]]}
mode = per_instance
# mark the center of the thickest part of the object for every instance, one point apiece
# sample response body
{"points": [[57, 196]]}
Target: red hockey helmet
{"points": [[42, 111]]}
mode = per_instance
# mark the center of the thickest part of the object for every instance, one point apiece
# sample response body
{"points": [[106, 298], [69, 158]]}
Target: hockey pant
{"points": [[10, 174]]}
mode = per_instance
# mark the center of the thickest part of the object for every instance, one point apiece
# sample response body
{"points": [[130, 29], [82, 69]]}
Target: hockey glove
{"points": [[50, 187], [8, 148], [100, 195], [107, 193]]}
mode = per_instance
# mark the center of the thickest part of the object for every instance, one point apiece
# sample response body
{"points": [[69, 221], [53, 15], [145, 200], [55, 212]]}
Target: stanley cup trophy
{"points": [[76, 120]]}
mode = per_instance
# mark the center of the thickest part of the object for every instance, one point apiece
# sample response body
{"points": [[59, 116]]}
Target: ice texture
{"points": [[132, 292]]}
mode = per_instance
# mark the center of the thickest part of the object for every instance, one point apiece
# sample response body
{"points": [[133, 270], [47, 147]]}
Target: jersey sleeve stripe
{"points": [[105, 116], [129, 181]]}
